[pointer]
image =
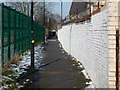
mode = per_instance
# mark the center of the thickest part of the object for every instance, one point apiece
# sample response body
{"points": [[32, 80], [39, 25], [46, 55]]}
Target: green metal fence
{"points": [[15, 35]]}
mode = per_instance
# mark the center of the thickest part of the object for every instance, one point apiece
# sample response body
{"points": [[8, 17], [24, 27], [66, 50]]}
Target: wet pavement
{"points": [[59, 70]]}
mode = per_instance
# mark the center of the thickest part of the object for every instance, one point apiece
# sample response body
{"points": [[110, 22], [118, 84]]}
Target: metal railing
{"points": [[15, 33]]}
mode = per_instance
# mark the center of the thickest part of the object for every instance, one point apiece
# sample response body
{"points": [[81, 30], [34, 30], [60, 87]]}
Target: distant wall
{"points": [[88, 42]]}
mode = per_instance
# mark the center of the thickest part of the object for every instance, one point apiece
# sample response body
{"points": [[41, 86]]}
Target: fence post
{"points": [[117, 59], [9, 36], [2, 35], [15, 31]]}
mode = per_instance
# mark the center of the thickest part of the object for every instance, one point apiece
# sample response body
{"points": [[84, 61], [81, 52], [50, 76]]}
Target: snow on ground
{"points": [[25, 63], [85, 74], [90, 84], [26, 59]]}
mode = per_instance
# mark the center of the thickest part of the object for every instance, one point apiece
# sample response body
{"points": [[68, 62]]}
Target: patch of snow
{"points": [[63, 52], [81, 66], [88, 82], [84, 72], [27, 80], [3, 87], [20, 86], [13, 65], [91, 86], [74, 59], [73, 64], [5, 77], [24, 64], [60, 45], [26, 59]]}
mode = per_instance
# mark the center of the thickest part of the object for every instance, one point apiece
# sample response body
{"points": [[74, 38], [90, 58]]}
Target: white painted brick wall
{"points": [[88, 42]]}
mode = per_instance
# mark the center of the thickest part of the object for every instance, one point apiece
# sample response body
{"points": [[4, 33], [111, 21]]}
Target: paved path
{"points": [[62, 73]]}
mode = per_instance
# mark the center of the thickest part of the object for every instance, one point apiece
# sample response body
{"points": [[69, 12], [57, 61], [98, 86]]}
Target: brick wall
{"points": [[88, 42], [113, 24]]}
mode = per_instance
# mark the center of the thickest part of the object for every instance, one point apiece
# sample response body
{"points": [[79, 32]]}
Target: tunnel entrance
{"points": [[53, 33]]}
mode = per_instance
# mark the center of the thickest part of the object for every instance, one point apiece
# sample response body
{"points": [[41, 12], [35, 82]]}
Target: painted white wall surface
{"points": [[88, 43]]}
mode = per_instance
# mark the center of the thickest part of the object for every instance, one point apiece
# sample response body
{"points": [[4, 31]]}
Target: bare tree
{"points": [[41, 10], [24, 7]]}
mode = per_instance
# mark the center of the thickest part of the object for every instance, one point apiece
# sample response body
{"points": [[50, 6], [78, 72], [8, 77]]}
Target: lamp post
{"points": [[61, 9], [32, 38], [48, 18], [44, 21]]}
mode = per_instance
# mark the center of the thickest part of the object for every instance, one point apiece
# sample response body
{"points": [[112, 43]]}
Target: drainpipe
{"points": [[117, 59], [90, 7], [98, 4]]}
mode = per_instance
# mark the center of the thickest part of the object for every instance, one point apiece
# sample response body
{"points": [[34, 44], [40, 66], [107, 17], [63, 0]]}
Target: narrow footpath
{"points": [[61, 72]]}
